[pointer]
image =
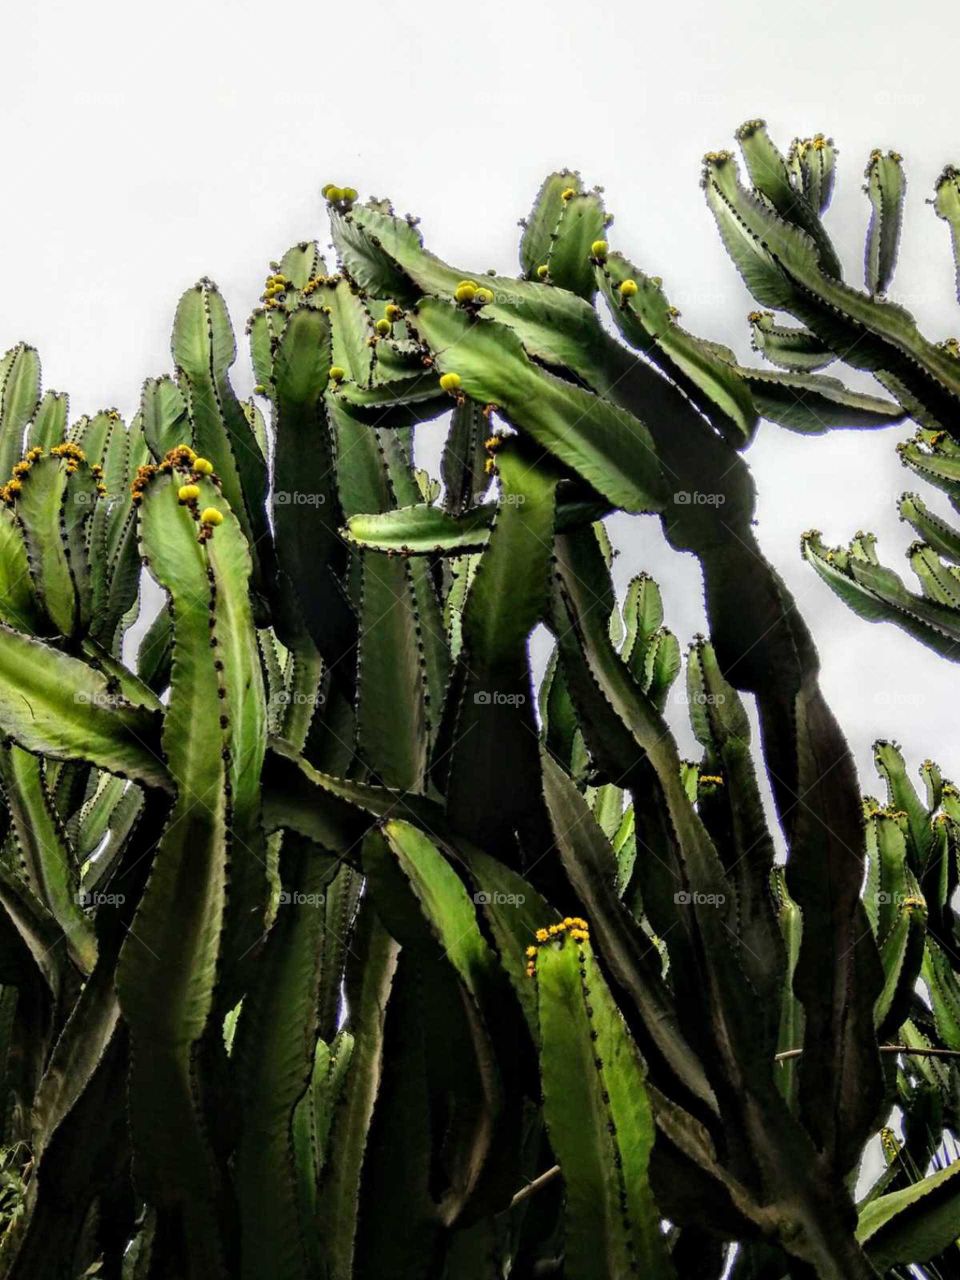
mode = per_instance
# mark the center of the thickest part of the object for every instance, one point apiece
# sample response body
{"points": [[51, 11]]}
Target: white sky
{"points": [[147, 145]]}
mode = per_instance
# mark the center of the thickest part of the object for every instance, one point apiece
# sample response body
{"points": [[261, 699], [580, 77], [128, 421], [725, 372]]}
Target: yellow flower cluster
{"points": [[573, 927], [315, 283]]}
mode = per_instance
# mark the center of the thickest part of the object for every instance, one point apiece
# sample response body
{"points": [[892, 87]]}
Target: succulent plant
{"points": [[776, 238], [328, 952]]}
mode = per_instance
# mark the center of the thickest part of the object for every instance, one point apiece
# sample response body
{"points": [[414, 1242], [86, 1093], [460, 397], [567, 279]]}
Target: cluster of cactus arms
{"points": [[329, 948], [773, 231]]}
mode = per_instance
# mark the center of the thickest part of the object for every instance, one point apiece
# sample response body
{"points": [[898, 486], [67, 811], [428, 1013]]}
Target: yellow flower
{"points": [[484, 296], [450, 382], [599, 250], [542, 935], [465, 292], [542, 271], [210, 515], [393, 312], [336, 373], [568, 194], [382, 327], [530, 952], [203, 465], [188, 493], [628, 288]]}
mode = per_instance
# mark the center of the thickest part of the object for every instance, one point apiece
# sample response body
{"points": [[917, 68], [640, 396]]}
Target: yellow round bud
{"points": [[542, 271], [568, 194], [382, 327], [465, 292], [599, 250], [210, 515], [392, 312], [628, 288], [326, 189], [348, 193], [450, 382], [336, 373], [188, 493], [204, 466], [471, 283], [484, 296], [334, 193]]}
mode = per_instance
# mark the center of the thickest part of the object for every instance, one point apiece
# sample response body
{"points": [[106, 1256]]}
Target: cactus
{"points": [[323, 956], [785, 256]]}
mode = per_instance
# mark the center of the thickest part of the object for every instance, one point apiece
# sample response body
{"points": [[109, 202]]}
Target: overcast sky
{"points": [[145, 145]]}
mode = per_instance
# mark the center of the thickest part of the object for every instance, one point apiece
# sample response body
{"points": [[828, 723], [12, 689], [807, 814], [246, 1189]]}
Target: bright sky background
{"points": [[147, 145]]}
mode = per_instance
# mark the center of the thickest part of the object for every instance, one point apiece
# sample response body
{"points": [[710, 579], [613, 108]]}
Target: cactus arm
{"points": [[947, 206], [203, 351], [58, 706], [353, 333], [422, 530], [19, 401], [392, 713], [243, 706], [720, 724], [19, 606], [886, 188], [812, 403], [49, 424], [599, 1120], [581, 223], [942, 537], [463, 464], [513, 910], [878, 594], [779, 264], [914, 1224], [168, 966], [789, 347], [53, 508], [425, 905], [490, 733], [42, 843], [80, 1048], [164, 416], [770, 175], [308, 549], [813, 163], [94, 820], [648, 322], [605, 445], [274, 1055], [370, 979], [588, 860], [540, 225]]}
